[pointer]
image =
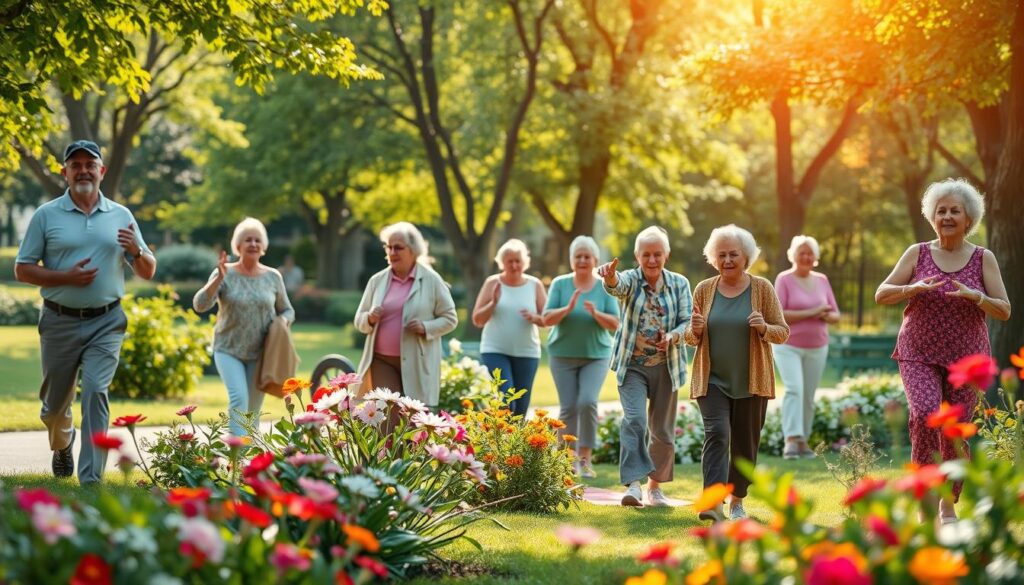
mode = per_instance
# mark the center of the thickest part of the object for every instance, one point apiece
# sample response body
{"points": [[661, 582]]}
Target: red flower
{"points": [[977, 369], [187, 410], [865, 487], [186, 437], [921, 480], [320, 393], [744, 530], [259, 463], [192, 501], [27, 499], [253, 515], [304, 508], [659, 554], [947, 414], [835, 571], [881, 529], [342, 578], [373, 565], [91, 570], [187, 549], [106, 442], [129, 421], [960, 431]]}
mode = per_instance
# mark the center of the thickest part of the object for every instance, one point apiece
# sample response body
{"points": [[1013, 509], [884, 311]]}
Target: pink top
{"points": [[389, 328], [808, 333], [938, 329]]}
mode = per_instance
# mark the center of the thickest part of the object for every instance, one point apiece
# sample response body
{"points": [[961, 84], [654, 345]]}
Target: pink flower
{"points": [[835, 571], [373, 565], [53, 522], [463, 455], [977, 369], [577, 536], [186, 411], [199, 536], [237, 442], [28, 498], [317, 490], [312, 419], [439, 452], [307, 459], [344, 380], [881, 529], [288, 556]]}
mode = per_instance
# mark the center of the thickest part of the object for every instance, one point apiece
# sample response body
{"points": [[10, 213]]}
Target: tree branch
{"points": [[814, 170], [590, 8], [51, 185], [956, 163], [544, 210]]}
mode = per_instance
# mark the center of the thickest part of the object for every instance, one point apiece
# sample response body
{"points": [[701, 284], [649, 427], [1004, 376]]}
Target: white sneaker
{"points": [[736, 511], [587, 471], [633, 496], [656, 497]]}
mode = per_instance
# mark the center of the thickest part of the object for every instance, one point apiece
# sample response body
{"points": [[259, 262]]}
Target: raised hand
{"points": [[416, 326], [756, 320], [589, 307], [126, 239], [923, 285], [965, 292], [607, 272], [575, 297], [697, 321], [78, 275], [222, 264], [375, 315], [497, 293]]}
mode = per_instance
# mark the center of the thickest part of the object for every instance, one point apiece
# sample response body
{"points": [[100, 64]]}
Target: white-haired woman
{"points": [[650, 363], [736, 319], [582, 316], [950, 286], [405, 310], [251, 295], [808, 305], [509, 309]]}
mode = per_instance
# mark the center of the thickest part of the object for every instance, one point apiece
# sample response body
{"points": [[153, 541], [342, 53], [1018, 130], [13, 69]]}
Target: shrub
{"points": [[384, 465], [18, 310], [1001, 426], [7, 256], [164, 351], [528, 469], [342, 307], [462, 378], [182, 262]]}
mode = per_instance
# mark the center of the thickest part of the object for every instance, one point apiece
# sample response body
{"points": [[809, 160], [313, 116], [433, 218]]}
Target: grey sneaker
{"points": [[587, 471], [64, 460], [714, 514], [792, 450], [633, 496], [806, 452], [736, 511], [656, 497]]}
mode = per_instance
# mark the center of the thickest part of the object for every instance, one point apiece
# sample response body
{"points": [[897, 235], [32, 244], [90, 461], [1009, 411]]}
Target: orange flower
{"points": [[467, 404], [293, 385], [935, 565], [712, 496], [537, 441], [361, 536], [707, 574], [744, 530], [947, 414], [556, 424], [514, 461], [489, 458], [990, 411], [1017, 360], [960, 431], [568, 481], [830, 550], [540, 413], [923, 478], [569, 438], [651, 577]]}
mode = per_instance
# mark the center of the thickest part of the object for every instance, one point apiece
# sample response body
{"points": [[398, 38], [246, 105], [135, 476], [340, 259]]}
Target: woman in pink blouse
{"points": [[809, 306]]}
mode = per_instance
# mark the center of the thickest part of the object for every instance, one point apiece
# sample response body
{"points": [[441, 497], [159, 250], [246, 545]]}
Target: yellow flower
{"points": [[712, 496], [706, 574], [935, 565], [540, 413], [467, 404], [651, 577], [556, 424]]}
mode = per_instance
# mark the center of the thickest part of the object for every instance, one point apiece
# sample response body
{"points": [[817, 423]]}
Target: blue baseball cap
{"points": [[86, 145]]}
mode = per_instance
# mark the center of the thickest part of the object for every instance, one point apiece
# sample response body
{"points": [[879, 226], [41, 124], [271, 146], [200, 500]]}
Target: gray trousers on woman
{"points": [[732, 431], [578, 382], [647, 433]]}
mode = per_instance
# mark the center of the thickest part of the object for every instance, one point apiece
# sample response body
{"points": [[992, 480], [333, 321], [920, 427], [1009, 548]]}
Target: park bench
{"points": [[850, 353]]}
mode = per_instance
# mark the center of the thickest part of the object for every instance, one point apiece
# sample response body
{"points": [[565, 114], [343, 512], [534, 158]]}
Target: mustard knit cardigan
{"points": [[762, 373]]}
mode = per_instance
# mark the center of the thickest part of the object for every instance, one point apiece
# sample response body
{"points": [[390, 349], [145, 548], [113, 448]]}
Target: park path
{"points": [[29, 452]]}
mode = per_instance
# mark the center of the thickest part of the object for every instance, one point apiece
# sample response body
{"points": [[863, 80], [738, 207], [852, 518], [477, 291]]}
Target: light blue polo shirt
{"points": [[61, 235]]}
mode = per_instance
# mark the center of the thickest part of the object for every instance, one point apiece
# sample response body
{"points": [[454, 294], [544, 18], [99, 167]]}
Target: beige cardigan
{"points": [[431, 302], [762, 373]]}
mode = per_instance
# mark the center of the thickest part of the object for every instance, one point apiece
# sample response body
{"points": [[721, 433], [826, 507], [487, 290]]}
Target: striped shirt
{"points": [[673, 295]]}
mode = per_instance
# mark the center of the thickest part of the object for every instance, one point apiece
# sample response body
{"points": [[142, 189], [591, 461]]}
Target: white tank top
{"points": [[506, 331]]}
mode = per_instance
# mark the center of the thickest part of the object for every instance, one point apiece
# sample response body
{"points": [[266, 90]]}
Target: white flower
{"points": [[412, 405], [370, 412], [384, 395], [332, 400], [163, 579], [204, 536], [135, 538], [430, 421], [361, 485], [454, 345]]}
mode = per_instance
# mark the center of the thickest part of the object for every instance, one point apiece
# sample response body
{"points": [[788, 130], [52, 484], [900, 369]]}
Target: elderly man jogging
{"points": [[83, 241]]}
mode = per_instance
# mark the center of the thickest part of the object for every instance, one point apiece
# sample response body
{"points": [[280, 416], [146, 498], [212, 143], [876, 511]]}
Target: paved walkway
{"points": [[29, 451]]}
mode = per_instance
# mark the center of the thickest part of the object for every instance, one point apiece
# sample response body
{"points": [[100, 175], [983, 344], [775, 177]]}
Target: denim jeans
{"points": [[243, 397], [518, 373]]}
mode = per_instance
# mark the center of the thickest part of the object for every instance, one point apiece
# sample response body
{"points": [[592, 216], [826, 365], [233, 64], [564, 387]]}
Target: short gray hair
{"points": [[249, 224], [408, 232], [652, 233], [732, 232], [974, 203], [517, 246], [584, 242], [800, 240]]}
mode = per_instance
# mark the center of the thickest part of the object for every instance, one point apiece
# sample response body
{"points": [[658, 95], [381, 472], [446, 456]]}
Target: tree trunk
{"points": [[913, 187], [1006, 239], [791, 211], [476, 267]]}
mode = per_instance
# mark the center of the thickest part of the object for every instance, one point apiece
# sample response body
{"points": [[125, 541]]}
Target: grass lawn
{"points": [[523, 547]]}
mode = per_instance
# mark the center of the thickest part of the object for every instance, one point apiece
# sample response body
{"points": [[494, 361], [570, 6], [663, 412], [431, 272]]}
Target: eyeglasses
{"points": [[91, 166], [396, 248]]}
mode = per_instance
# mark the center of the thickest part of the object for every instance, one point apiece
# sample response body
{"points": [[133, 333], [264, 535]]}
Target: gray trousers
{"points": [[578, 382], [69, 346], [732, 431], [647, 434], [800, 370]]}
